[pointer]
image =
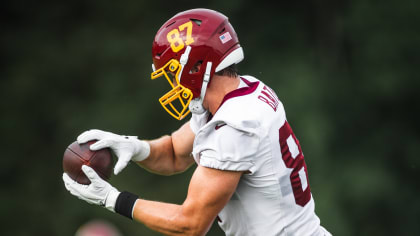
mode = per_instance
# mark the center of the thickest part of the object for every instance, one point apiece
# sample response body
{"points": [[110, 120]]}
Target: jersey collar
{"points": [[250, 88]]}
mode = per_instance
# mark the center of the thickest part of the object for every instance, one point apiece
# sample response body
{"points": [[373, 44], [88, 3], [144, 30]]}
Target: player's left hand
{"points": [[126, 148], [98, 192]]}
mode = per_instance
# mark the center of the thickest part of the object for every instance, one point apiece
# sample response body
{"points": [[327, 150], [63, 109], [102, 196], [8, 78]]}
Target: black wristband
{"points": [[125, 203]]}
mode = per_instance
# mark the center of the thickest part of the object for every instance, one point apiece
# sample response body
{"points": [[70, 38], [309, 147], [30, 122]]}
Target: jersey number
{"points": [[293, 158], [176, 41]]}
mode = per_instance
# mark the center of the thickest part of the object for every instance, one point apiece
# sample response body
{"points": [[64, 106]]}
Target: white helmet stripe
{"points": [[183, 60], [234, 57]]}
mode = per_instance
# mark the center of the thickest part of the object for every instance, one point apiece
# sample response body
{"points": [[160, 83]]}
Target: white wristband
{"points": [[143, 152]]}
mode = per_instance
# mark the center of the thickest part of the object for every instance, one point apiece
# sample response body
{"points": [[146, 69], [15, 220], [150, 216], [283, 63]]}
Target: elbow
{"points": [[180, 163], [172, 171], [194, 229], [181, 166], [195, 225]]}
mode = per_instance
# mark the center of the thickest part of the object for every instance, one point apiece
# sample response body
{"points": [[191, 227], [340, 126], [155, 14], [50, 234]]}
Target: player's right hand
{"points": [[98, 192], [126, 148]]}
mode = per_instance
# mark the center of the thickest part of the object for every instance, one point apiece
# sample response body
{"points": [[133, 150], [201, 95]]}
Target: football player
{"points": [[251, 174]]}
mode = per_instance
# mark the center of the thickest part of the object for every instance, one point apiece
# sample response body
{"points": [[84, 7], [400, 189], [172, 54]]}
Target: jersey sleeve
{"points": [[229, 149]]}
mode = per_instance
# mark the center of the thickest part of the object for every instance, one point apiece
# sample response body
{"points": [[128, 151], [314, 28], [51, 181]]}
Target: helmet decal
{"points": [[176, 41]]}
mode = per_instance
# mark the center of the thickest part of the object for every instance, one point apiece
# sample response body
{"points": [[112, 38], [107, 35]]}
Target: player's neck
{"points": [[219, 87]]}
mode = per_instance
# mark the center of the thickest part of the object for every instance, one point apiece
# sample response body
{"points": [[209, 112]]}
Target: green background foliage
{"points": [[346, 72]]}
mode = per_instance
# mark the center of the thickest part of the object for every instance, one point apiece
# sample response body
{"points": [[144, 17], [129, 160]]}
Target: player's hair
{"points": [[231, 71]]}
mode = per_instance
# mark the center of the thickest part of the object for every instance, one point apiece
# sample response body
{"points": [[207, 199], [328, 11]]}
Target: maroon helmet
{"points": [[188, 49]]}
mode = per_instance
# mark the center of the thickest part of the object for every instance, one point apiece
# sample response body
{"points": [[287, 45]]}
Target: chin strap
{"points": [[196, 105]]}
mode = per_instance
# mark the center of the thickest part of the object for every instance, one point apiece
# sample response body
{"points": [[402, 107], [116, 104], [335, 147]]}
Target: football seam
{"points": [[83, 160], [76, 154], [102, 175], [97, 171]]}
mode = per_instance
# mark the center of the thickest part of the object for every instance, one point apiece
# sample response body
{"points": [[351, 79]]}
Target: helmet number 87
{"points": [[176, 41]]}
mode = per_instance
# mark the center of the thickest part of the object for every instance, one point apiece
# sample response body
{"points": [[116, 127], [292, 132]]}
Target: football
{"points": [[77, 155]]}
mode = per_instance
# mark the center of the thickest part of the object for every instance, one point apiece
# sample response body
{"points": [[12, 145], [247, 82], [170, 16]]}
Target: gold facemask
{"points": [[176, 101]]}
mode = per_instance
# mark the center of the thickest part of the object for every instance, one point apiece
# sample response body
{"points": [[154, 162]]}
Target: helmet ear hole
{"points": [[196, 68]]}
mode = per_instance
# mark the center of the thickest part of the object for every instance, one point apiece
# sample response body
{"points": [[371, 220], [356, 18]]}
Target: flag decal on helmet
{"points": [[225, 37]]}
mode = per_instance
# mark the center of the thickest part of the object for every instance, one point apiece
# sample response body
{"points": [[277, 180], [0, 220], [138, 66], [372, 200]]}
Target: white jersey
{"points": [[249, 132]]}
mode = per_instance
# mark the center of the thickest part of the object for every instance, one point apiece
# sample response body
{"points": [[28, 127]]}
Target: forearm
{"points": [[208, 193], [169, 219], [163, 159], [171, 154]]}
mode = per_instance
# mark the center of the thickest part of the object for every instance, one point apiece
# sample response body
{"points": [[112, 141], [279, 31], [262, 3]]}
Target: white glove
{"points": [[125, 147], [98, 192]]}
